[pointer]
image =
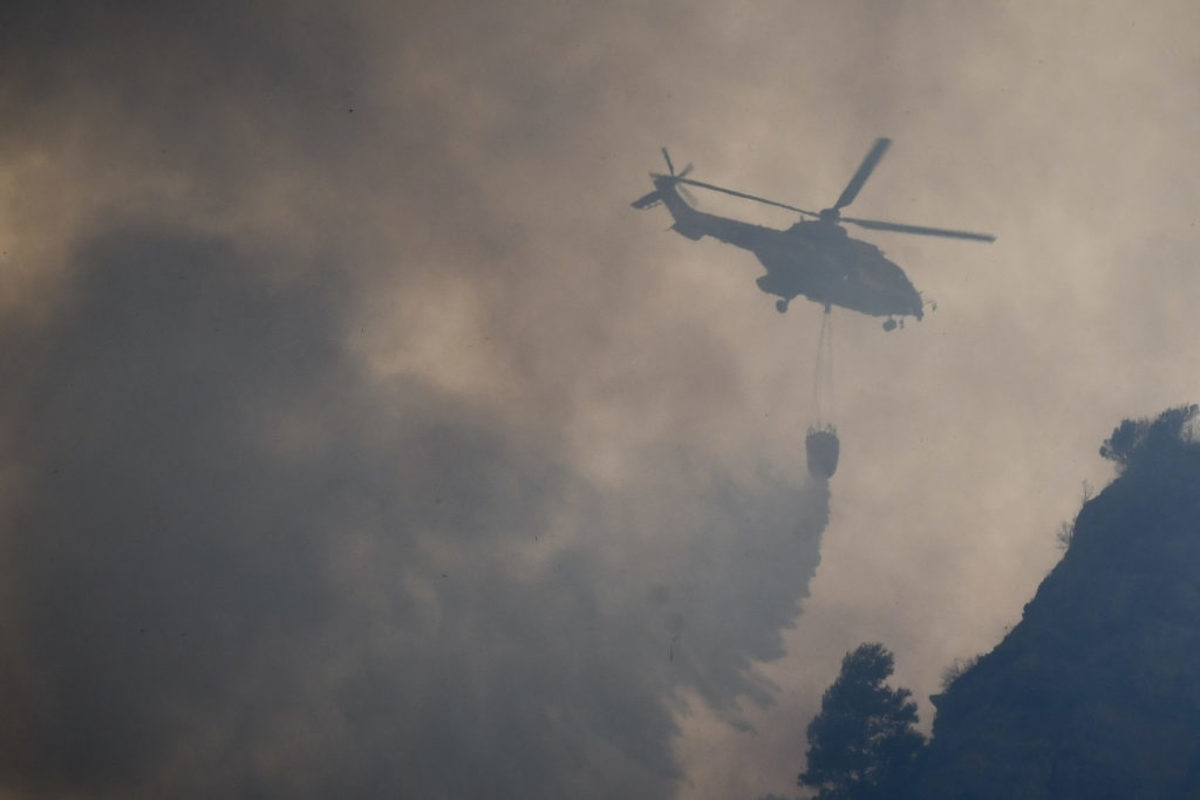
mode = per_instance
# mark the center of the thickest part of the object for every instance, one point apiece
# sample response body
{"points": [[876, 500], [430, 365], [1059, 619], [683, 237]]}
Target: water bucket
{"points": [[823, 447]]}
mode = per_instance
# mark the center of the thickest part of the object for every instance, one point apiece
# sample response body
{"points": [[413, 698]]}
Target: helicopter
{"points": [[815, 257]]}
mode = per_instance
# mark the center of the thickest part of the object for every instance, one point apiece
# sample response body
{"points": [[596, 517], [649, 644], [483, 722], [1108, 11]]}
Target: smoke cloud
{"points": [[357, 437], [241, 563]]}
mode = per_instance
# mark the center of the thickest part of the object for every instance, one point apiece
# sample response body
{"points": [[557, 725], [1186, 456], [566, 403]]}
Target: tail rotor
{"points": [[676, 181], [680, 176], [670, 166]]}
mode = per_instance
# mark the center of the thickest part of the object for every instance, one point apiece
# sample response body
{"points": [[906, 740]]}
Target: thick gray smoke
{"points": [[240, 558], [238, 567]]}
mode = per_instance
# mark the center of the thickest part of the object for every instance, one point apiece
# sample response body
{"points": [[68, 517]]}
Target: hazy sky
{"points": [[360, 439]]}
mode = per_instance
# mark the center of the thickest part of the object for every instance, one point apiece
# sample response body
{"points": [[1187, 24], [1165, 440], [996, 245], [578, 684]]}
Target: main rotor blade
{"points": [[745, 196], [864, 171], [877, 225], [667, 156]]}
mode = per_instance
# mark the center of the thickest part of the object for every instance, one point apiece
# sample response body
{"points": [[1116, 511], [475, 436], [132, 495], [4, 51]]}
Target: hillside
{"points": [[1096, 693]]}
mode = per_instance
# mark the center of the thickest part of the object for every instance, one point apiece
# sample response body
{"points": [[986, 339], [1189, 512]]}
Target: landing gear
{"points": [[889, 324], [781, 306]]}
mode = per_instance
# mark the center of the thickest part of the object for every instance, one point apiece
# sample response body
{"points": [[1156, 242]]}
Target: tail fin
{"points": [[647, 200]]}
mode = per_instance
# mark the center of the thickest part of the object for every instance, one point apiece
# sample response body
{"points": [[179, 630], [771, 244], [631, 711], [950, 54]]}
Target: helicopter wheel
{"points": [[889, 324], [781, 306]]}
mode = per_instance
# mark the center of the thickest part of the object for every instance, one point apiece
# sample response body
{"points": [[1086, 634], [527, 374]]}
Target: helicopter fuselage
{"points": [[816, 260]]}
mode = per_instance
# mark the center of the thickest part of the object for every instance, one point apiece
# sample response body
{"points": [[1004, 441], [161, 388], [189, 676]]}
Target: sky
{"points": [[359, 438]]}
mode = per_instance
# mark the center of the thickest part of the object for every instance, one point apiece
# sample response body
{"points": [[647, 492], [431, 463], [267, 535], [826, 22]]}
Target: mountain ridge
{"points": [[1096, 692]]}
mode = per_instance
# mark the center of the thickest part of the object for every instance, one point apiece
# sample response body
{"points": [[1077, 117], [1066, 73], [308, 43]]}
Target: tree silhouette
{"points": [[862, 746], [1133, 437]]}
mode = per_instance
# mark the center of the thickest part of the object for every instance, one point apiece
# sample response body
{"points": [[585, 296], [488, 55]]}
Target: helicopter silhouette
{"points": [[814, 258]]}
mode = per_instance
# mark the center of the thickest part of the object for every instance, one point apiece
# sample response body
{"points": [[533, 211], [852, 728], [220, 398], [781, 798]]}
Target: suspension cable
{"points": [[823, 371]]}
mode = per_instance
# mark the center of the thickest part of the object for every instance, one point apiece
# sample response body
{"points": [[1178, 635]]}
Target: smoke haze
{"points": [[359, 438]]}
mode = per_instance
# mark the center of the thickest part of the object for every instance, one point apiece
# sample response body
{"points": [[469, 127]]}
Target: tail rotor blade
{"points": [[869, 162], [683, 172], [667, 156]]}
